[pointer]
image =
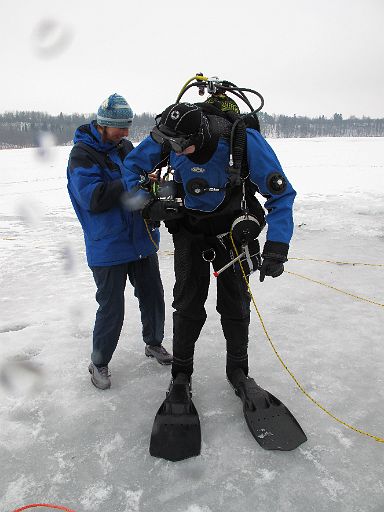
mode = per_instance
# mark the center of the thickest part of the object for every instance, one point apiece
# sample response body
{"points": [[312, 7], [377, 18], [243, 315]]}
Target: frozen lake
{"points": [[63, 441]]}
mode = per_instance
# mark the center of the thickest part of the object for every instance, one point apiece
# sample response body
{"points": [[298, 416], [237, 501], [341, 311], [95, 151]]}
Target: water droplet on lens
{"points": [[51, 38], [20, 377]]}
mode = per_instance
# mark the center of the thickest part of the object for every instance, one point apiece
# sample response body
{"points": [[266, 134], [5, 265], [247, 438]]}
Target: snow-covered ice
{"points": [[63, 441]]}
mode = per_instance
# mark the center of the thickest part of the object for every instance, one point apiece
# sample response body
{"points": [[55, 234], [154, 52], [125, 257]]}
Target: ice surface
{"points": [[62, 441]]}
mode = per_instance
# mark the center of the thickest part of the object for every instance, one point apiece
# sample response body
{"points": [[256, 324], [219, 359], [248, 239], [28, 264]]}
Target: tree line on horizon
{"points": [[24, 129]]}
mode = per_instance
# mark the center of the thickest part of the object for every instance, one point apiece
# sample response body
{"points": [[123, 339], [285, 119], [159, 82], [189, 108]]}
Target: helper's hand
{"points": [[153, 176]]}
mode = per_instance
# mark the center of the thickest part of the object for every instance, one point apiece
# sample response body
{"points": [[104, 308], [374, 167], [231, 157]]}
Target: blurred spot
{"points": [[167, 190], [76, 313], [45, 143], [50, 38], [76, 316], [68, 257], [30, 212], [133, 202], [21, 377]]}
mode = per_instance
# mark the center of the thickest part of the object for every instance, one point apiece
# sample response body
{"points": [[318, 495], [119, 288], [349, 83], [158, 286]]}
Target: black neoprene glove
{"points": [[159, 209], [274, 257]]}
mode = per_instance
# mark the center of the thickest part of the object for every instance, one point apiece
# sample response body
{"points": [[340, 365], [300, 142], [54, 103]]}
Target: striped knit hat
{"points": [[115, 112]]}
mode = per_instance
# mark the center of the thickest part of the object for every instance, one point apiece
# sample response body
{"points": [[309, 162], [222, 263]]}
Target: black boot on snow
{"points": [[176, 433], [270, 422]]}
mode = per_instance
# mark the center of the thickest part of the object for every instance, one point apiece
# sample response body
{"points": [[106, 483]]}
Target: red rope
{"points": [[57, 507]]}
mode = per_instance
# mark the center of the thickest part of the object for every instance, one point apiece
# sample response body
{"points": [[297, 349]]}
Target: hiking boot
{"points": [[100, 377], [159, 353]]}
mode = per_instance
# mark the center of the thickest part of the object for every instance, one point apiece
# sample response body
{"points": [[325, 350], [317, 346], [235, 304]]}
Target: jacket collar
{"points": [[89, 134]]}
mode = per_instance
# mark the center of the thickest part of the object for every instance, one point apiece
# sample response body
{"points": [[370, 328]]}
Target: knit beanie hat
{"points": [[115, 112], [182, 119]]}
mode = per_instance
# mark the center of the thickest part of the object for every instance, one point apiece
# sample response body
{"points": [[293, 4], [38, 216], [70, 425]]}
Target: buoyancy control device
{"points": [[247, 217]]}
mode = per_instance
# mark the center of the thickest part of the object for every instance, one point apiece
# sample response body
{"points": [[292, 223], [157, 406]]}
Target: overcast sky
{"points": [[305, 57]]}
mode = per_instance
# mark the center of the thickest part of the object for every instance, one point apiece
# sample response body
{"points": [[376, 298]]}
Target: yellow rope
{"points": [[351, 427], [340, 262], [334, 288], [333, 261], [149, 234]]}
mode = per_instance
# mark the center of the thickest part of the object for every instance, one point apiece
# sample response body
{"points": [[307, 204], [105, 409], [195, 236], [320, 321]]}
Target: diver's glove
{"points": [[159, 209], [274, 256]]}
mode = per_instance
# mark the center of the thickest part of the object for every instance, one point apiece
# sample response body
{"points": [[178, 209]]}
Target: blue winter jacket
{"points": [[263, 165], [112, 233]]}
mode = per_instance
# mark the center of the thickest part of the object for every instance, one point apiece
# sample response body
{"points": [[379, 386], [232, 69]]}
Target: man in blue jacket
{"points": [[119, 243], [199, 147]]}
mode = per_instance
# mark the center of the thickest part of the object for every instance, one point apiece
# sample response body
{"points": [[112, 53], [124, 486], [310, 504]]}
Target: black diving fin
{"points": [[272, 425], [176, 433]]}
